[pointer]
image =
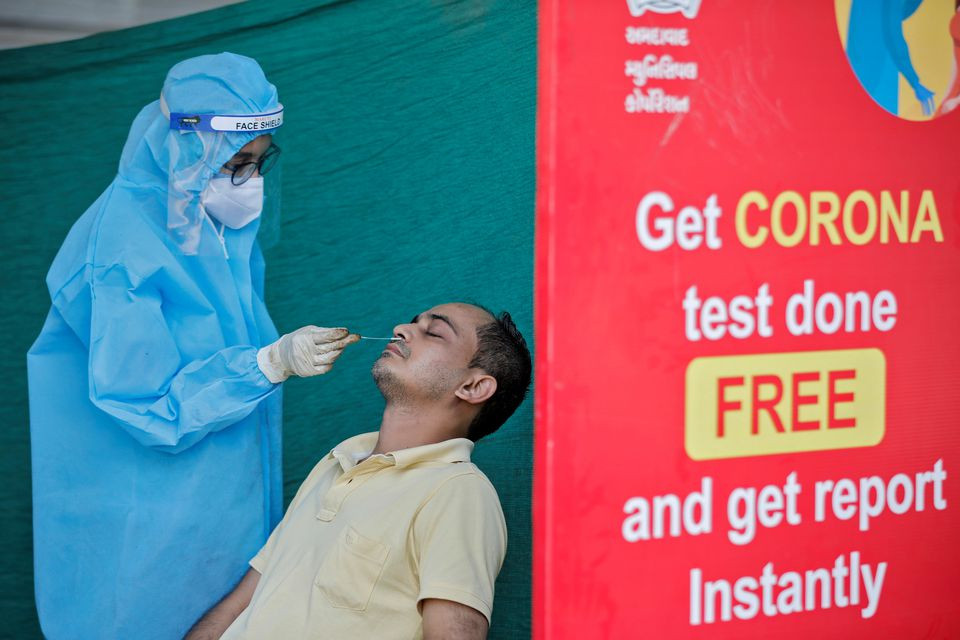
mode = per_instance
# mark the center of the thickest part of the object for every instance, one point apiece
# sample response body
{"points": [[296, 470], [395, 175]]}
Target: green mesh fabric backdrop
{"points": [[408, 179]]}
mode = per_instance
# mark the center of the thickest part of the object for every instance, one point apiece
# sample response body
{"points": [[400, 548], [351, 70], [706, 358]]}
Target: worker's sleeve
{"points": [[138, 375], [892, 28], [460, 539]]}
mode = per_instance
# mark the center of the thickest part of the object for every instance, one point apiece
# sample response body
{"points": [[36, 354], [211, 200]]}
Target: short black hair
{"points": [[501, 352]]}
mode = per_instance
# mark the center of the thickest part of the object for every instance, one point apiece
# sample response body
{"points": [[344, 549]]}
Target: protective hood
{"points": [[178, 162]]}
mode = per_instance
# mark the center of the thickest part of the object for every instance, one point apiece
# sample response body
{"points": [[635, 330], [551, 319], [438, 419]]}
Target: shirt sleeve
{"points": [[259, 562], [460, 540]]}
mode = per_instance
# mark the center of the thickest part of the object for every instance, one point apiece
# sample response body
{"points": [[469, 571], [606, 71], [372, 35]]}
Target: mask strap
{"points": [[219, 234]]}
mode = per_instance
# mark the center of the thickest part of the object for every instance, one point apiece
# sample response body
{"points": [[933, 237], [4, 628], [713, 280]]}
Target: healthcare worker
{"points": [[154, 384]]}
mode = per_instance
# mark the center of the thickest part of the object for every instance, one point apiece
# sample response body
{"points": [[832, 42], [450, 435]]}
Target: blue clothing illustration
{"points": [[878, 51], [155, 437]]}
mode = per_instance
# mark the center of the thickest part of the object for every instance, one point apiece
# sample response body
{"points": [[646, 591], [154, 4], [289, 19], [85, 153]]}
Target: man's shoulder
{"points": [[462, 478], [463, 498]]}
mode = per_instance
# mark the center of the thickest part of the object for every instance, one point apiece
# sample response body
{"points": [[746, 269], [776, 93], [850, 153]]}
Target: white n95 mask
{"points": [[235, 206]]}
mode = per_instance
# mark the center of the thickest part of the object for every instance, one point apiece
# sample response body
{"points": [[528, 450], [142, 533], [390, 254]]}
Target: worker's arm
{"points": [[167, 386], [212, 625], [448, 620]]}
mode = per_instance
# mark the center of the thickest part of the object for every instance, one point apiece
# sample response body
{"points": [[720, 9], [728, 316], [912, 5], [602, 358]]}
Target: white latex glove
{"points": [[308, 351]]}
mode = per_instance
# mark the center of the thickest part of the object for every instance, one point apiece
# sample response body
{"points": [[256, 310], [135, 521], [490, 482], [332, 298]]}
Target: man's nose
{"points": [[402, 331]]}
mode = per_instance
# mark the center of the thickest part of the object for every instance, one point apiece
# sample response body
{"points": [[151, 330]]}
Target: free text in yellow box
{"points": [[753, 405]]}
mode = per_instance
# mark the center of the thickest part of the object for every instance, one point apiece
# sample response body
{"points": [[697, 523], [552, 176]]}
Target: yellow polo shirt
{"points": [[362, 545]]}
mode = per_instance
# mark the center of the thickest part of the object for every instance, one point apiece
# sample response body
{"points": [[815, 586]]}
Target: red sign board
{"points": [[748, 250]]}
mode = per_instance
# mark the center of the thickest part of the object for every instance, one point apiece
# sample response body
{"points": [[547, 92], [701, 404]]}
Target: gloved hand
{"points": [[308, 351]]}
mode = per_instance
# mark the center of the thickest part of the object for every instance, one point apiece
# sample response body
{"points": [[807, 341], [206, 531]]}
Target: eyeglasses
{"points": [[244, 171]]}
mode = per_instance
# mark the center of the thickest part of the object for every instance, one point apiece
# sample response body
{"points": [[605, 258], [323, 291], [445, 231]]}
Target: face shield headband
{"points": [[258, 123]]}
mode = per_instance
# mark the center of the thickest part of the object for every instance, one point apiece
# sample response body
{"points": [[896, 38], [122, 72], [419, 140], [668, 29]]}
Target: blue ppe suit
{"points": [[155, 437]]}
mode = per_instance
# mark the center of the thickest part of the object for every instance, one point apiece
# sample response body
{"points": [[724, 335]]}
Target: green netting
{"points": [[408, 181]]}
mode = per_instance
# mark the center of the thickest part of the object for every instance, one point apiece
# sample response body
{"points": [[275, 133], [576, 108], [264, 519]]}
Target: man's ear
{"points": [[478, 388]]}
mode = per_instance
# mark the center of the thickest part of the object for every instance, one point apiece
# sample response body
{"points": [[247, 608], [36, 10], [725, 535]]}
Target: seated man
{"points": [[396, 534]]}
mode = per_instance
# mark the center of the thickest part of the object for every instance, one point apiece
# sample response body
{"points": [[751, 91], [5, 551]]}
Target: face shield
{"points": [[223, 172]]}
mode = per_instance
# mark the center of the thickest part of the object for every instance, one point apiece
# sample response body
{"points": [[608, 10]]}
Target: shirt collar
{"points": [[349, 452], [352, 450], [455, 450]]}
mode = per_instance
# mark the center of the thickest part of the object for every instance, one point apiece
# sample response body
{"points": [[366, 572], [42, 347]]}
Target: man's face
{"points": [[430, 362]]}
